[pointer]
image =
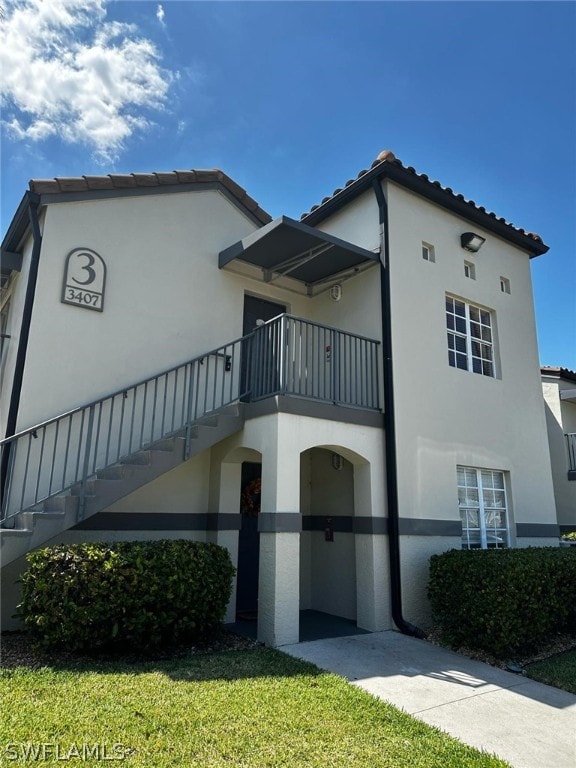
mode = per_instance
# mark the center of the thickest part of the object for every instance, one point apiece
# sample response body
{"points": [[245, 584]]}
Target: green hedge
{"points": [[503, 601], [129, 595]]}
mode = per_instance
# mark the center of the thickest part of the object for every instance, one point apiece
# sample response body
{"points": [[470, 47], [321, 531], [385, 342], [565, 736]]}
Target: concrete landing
{"points": [[526, 723]]}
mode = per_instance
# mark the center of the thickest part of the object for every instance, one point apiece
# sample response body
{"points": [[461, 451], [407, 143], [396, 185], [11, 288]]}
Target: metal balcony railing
{"points": [[287, 355], [571, 439], [292, 356]]}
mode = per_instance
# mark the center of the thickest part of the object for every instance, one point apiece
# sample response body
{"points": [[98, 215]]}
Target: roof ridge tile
{"points": [[388, 157]]}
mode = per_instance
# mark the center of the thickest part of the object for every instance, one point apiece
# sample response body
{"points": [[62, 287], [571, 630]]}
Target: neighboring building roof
{"points": [[387, 165], [558, 373], [128, 181]]}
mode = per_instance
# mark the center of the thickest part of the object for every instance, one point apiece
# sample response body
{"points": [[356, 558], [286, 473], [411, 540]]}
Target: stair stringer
{"points": [[58, 513]]}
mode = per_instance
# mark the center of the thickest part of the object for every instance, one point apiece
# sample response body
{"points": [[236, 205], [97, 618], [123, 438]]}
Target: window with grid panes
{"points": [[483, 509], [470, 342]]}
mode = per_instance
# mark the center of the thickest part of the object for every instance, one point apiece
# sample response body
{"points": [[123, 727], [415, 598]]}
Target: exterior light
{"points": [[337, 461], [471, 241]]}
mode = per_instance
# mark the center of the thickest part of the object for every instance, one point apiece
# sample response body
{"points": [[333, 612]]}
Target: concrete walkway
{"points": [[528, 724]]}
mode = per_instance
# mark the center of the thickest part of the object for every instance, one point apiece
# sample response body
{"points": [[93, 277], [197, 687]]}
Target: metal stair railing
{"points": [[300, 358], [50, 458], [287, 355]]}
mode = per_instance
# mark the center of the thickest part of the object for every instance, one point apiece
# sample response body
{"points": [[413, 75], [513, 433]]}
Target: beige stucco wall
{"points": [[166, 300], [445, 416]]}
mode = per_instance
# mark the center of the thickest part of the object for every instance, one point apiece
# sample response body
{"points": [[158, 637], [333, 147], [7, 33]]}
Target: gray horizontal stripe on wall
{"points": [[339, 523], [222, 521], [144, 521], [542, 530], [345, 524], [279, 522], [371, 525], [412, 526]]}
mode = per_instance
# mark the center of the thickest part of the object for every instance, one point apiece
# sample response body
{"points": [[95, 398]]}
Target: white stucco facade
{"points": [[323, 516]]}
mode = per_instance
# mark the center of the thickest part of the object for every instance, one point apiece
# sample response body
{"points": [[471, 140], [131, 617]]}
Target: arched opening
{"points": [[328, 579]]}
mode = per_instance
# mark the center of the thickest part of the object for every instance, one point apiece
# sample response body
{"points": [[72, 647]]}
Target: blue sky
{"points": [[292, 99]]}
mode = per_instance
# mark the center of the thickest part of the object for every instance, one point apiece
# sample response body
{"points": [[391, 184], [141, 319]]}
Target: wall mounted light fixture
{"points": [[471, 241], [337, 461]]}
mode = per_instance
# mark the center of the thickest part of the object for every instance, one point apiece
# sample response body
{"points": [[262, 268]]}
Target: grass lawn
{"points": [[233, 709], [559, 671]]}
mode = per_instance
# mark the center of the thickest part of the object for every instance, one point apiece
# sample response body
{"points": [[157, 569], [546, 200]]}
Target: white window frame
{"points": [[477, 350], [505, 285], [483, 492], [428, 252], [469, 270]]}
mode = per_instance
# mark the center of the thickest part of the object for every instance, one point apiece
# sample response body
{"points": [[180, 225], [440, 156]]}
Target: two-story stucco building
{"points": [[334, 399]]}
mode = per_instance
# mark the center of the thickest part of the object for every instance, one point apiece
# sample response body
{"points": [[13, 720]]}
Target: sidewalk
{"points": [[529, 724]]}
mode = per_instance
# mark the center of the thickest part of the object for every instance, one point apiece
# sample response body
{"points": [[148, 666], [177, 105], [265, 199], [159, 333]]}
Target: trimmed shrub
{"points": [[128, 595], [503, 601]]}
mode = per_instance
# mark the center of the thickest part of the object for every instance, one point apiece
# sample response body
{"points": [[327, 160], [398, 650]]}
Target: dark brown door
{"points": [[257, 356]]}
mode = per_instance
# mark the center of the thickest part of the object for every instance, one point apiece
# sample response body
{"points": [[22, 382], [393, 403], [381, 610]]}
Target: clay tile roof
{"points": [[185, 177], [99, 182], [145, 179], [388, 164], [113, 181], [167, 178]]}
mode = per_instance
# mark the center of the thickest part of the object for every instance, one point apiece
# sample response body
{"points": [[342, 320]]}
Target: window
{"points": [[470, 345], [428, 252], [469, 270], [482, 502], [504, 285]]}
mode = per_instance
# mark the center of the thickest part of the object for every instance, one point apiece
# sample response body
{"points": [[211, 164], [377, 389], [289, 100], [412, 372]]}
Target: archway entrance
{"points": [[327, 551]]}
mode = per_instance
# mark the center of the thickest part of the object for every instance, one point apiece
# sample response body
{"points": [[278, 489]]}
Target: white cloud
{"points": [[68, 72], [160, 15]]}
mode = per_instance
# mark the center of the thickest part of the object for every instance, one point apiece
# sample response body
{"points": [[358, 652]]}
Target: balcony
{"points": [[299, 358]]}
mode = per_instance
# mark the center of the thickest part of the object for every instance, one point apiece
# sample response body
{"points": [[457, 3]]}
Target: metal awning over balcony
{"points": [[286, 248]]}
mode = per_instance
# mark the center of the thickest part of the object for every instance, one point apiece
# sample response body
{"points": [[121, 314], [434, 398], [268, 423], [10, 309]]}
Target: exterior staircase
{"points": [[56, 514], [63, 470]]}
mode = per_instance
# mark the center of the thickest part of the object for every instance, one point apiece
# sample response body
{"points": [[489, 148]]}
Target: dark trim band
{"points": [[279, 522], [411, 526], [535, 530]]}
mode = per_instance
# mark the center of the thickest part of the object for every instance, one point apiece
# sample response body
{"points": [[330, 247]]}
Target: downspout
{"points": [[389, 423], [12, 419]]}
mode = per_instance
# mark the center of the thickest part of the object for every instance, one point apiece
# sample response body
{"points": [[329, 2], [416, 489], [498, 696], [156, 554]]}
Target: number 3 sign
{"points": [[84, 279]]}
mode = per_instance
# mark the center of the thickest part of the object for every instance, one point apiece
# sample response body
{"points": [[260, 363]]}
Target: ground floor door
{"points": [[248, 543]]}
